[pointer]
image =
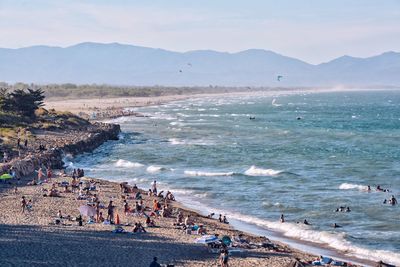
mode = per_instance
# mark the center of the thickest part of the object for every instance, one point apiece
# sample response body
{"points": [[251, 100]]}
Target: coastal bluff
{"points": [[60, 143]]}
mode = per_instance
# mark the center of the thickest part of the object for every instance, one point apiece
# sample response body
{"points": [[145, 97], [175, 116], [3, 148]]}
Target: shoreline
{"points": [[290, 241]]}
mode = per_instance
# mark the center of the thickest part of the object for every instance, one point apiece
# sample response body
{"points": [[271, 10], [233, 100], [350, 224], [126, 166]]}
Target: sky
{"points": [[311, 30]]}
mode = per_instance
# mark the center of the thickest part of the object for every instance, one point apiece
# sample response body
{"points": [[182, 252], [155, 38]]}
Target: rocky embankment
{"points": [[60, 143]]}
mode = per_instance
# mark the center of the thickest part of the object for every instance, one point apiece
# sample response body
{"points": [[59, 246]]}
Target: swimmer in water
{"points": [[306, 222], [393, 200], [348, 209], [369, 188], [336, 225]]}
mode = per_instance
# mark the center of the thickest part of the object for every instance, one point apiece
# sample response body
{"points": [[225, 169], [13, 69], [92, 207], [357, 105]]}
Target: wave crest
{"points": [[153, 169], [347, 186], [254, 171], [127, 164]]}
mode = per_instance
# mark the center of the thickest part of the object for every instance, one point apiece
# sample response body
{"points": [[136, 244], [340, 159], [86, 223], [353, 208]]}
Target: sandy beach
{"points": [[32, 239]]}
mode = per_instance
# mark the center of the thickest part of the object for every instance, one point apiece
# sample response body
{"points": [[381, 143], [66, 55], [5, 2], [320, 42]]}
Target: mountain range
{"points": [[120, 64]]}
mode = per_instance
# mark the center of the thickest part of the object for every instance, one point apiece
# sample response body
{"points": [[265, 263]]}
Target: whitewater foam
{"points": [[347, 186], [154, 169], [127, 164], [200, 173], [274, 103], [254, 171], [307, 233]]}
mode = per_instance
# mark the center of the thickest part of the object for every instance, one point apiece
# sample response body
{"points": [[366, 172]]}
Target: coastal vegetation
{"points": [[74, 91], [22, 114]]}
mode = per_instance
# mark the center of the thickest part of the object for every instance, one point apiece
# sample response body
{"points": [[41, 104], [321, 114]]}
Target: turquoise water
{"points": [[211, 154]]}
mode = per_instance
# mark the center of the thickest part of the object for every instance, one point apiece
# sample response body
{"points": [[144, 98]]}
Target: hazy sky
{"points": [[311, 30]]}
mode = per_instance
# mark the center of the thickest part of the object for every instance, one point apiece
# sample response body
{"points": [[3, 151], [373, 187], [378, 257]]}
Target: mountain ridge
{"points": [[124, 64]]}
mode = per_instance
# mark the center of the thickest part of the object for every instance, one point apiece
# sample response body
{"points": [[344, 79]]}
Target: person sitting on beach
{"points": [[392, 200], [23, 204], [59, 214], [179, 218], [139, 228], [169, 196], [160, 194], [150, 222], [54, 193], [220, 218], [201, 230], [66, 190], [100, 219], [224, 220], [149, 193], [138, 195], [239, 239], [29, 205], [156, 206], [154, 263], [188, 221], [139, 207], [135, 187], [210, 215]]}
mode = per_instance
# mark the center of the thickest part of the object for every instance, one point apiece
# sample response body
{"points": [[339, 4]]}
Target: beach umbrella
{"points": [[6, 176], [207, 239], [86, 210]]}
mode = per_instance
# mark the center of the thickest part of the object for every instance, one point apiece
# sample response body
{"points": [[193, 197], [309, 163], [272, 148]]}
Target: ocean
{"points": [[303, 155]]}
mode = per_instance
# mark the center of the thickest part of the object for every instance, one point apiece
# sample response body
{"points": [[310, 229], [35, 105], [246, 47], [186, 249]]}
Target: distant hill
{"points": [[119, 64]]}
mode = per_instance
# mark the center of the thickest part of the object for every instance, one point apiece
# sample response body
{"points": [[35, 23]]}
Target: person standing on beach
{"points": [[40, 174], [224, 257], [110, 209], [154, 263], [23, 204], [154, 187], [282, 218]]}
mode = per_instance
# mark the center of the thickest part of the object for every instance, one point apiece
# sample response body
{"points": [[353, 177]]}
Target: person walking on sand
{"points": [[23, 204]]}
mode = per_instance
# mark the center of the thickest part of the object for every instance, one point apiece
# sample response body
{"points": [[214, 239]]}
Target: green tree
{"points": [[25, 102], [3, 99]]}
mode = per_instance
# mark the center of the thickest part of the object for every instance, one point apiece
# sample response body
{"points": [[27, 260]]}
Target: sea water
{"points": [[303, 155]]}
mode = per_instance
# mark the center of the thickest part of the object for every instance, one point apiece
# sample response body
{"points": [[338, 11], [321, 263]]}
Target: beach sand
{"points": [[27, 239]]}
